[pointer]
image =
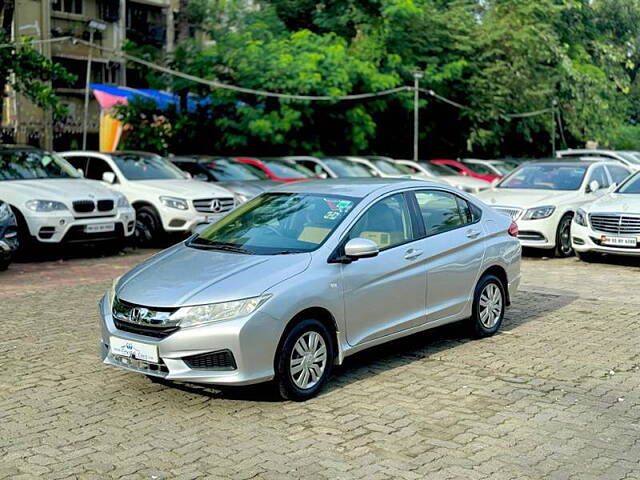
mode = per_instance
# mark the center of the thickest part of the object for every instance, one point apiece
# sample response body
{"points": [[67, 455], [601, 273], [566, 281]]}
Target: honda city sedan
{"points": [[290, 283]]}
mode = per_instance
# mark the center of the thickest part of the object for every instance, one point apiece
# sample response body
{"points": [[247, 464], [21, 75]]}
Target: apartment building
{"points": [[145, 22]]}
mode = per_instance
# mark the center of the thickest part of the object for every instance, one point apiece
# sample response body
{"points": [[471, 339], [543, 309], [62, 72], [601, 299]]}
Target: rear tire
{"points": [[148, 226], [489, 302], [304, 361], [563, 237]]}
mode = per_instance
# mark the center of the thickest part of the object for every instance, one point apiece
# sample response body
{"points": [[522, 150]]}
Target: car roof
{"points": [[570, 162], [350, 187]]}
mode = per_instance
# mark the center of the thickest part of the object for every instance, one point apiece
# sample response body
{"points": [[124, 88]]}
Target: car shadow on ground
{"points": [[601, 259], [391, 355]]}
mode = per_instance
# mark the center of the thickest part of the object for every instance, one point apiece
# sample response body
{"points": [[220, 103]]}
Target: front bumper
{"points": [[252, 342], [585, 240], [538, 233], [64, 227]]}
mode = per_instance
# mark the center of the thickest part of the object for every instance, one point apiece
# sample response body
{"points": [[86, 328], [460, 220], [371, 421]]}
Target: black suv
{"points": [[8, 235]]}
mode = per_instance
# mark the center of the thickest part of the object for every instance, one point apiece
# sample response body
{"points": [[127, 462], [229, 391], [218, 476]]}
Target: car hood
{"points": [[616, 203], [58, 189], [188, 189], [182, 276], [525, 198], [250, 188]]}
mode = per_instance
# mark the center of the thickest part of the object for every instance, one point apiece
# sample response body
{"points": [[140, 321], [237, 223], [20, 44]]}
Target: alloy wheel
{"points": [[565, 237], [308, 360], [145, 226], [490, 305]]}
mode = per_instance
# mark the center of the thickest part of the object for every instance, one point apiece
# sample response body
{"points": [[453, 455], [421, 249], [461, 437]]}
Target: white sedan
{"points": [[444, 174], [542, 197], [611, 224]]}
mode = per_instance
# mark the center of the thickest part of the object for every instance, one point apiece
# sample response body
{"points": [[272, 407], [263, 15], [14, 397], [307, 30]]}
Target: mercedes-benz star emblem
{"points": [[215, 206]]}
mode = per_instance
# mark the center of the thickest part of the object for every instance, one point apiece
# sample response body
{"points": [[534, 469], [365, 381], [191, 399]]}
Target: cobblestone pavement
{"points": [[556, 395]]}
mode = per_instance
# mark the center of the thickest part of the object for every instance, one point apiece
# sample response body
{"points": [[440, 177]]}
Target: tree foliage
{"points": [[495, 56]]}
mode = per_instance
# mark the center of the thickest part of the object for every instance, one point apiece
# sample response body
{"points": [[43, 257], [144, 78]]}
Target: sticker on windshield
{"points": [[336, 208], [46, 160]]}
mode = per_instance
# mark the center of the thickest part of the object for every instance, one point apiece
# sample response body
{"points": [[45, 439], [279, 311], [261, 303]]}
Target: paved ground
{"points": [[555, 395]]}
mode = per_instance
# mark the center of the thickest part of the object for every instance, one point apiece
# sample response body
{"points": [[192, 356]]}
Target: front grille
{"points": [[213, 205], [512, 212], [220, 360], [618, 224], [84, 206], [105, 205], [152, 322], [144, 330]]}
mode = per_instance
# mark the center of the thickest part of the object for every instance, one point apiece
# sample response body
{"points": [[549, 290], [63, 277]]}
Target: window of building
{"points": [[67, 6]]}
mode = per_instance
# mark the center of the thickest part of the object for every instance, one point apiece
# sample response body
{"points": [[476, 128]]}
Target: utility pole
{"points": [[554, 104], [416, 90], [93, 26]]}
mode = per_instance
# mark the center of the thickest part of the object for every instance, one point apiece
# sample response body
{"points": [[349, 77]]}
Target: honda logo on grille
{"points": [[215, 206], [138, 315]]}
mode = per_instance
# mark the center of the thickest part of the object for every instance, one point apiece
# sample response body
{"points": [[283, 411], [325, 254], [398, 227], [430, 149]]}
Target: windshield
{"points": [[146, 167], [631, 157], [33, 164], [546, 177], [228, 171], [479, 168], [254, 170], [388, 168], [631, 185], [437, 169], [345, 168], [502, 167], [277, 223], [288, 170]]}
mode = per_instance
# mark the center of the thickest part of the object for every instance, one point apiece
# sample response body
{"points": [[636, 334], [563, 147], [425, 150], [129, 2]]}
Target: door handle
{"points": [[473, 233], [412, 253]]}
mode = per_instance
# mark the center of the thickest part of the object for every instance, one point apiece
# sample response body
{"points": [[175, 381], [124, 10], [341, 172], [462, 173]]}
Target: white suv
{"points": [[165, 199], [54, 204]]}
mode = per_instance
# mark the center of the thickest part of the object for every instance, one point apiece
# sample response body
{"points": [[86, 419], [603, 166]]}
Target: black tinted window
{"points": [[443, 211]]}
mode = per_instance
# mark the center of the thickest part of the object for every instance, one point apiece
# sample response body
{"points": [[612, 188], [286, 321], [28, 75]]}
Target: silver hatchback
{"points": [[290, 283]]}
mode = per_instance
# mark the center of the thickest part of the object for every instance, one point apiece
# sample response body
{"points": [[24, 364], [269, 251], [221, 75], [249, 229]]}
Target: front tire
{"points": [[563, 237], [304, 361], [148, 226], [489, 303]]}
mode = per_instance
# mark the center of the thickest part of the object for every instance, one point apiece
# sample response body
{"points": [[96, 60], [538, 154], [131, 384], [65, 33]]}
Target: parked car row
{"points": [[83, 196]]}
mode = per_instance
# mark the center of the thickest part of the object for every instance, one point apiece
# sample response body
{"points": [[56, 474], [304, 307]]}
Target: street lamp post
{"points": [[93, 26], [416, 90]]}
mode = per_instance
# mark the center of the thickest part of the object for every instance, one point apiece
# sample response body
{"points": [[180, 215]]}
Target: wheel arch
{"points": [[501, 273], [321, 314]]}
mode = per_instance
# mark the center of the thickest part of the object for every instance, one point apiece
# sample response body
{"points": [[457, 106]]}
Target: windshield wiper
{"points": [[204, 244]]}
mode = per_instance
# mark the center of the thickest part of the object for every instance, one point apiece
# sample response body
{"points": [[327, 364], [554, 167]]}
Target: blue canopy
{"points": [[162, 99]]}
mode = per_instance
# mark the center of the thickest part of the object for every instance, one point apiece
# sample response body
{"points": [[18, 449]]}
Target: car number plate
{"points": [[619, 241], [100, 227], [131, 349]]}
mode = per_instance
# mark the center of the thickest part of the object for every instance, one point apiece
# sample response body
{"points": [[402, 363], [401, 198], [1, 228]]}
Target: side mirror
{"points": [[323, 175], [187, 175], [464, 174], [109, 177], [360, 248], [199, 176], [612, 188], [593, 186]]}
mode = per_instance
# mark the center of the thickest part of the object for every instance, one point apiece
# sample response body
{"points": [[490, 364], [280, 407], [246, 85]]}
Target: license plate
{"points": [[131, 349], [100, 227], [619, 241]]}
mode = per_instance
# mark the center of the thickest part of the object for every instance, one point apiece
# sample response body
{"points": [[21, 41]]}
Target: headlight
{"points": [[240, 198], [538, 213], [45, 206], [173, 202], [122, 201], [5, 211], [581, 217], [215, 312], [111, 293]]}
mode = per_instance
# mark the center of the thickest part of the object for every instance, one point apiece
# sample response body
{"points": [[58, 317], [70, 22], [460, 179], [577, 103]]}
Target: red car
{"points": [[469, 170], [277, 170]]}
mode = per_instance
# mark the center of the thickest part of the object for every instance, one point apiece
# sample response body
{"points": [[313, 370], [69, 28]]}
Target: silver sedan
{"points": [[289, 284]]}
